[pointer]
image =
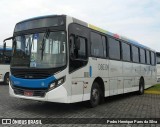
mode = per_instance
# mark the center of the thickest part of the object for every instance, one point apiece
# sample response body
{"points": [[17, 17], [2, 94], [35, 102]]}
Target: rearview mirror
{"points": [[4, 48]]}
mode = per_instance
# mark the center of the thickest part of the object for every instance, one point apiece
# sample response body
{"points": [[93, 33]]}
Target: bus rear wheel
{"points": [[95, 95], [141, 87], [6, 79]]}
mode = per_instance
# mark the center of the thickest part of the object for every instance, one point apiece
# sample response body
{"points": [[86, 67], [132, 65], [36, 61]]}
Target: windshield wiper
{"points": [[43, 41]]}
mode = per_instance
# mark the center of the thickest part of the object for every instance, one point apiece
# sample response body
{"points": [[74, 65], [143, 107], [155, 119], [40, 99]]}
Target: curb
{"points": [[151, 92]]}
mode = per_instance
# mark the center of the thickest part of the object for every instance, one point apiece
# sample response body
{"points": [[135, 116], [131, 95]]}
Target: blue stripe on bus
{"points": [[90, 71], [32, 83]]}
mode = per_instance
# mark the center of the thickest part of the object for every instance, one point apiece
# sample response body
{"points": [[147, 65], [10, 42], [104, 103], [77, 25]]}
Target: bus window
{"points": [[152, 58], [148, 56], [104, 45], [142, 56], [126, 52], [96, 45], [135, 54], [78, 52], [114, 49]]}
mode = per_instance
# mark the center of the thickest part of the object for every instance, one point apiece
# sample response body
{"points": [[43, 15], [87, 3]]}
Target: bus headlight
{"points": [[57, 83]]}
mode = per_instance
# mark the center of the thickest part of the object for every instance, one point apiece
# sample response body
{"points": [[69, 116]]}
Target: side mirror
{"points": [[4, 48], [4, 44]]}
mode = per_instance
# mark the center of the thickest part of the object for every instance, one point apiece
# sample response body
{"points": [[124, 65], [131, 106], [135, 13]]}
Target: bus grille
{"points": [[30, 73], [37, 93]]}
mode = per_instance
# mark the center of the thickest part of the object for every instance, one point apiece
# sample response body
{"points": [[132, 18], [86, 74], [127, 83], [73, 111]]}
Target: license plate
{"points": [[28, 93]]}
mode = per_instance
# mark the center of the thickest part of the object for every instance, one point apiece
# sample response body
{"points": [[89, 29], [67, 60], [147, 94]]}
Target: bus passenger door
{"points": [[78, 61]]}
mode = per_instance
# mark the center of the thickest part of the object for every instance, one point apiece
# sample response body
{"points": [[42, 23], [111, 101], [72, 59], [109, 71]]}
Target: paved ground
{"points": [[123, 106]]}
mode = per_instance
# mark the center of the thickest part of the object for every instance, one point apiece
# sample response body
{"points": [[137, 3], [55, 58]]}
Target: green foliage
{"points": [[155, 87]]}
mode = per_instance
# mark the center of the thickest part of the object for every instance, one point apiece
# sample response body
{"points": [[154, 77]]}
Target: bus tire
{"points": [[95, 95], [141, 87], [6, 79]]}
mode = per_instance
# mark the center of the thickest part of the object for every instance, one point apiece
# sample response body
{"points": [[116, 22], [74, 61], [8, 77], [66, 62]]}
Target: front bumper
{"points": [[58, 94]]}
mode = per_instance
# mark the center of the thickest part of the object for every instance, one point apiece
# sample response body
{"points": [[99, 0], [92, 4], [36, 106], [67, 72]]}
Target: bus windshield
{"points": [[40, 50]]}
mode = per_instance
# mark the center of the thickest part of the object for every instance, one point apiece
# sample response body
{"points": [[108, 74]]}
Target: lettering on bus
{"points": [[103, 66]]}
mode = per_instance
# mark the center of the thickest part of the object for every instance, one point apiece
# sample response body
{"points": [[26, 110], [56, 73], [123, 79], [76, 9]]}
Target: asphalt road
{"points": [[121, 106]]}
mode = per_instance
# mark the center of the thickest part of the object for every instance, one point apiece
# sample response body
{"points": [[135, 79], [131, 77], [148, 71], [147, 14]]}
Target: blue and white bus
{"points": [[62, 59], [5, 64]]}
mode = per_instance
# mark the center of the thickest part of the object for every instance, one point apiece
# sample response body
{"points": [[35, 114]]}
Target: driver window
{"points": [[78, 48], [78, 52], [82, 48]]}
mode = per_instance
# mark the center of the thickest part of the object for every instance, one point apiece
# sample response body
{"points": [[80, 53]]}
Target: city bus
{"points": [[5, 65], [158, 66], [62, 59]]}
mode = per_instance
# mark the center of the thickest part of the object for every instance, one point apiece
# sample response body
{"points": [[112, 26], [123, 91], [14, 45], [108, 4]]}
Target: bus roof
{"points": [[118, 36]]}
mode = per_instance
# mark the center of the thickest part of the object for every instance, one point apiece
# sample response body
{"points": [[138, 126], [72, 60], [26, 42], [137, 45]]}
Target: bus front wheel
{"points": [[6, 79], [95, 95]]}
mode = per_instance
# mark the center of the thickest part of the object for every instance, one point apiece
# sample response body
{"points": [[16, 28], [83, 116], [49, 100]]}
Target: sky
{"points": [[136, 19]]}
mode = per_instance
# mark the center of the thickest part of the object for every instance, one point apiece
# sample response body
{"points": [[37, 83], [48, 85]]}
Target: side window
{"points": [[158, 57], [152, 58], [142, 56], [82, 52], [78, 47], [104, 45], [148, 56], [114, 49], [78, 52], [96, 45], [126, 52], [135, 54]]}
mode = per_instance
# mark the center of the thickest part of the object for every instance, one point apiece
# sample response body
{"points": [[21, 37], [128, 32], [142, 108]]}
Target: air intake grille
{"points": [[37, 93]]}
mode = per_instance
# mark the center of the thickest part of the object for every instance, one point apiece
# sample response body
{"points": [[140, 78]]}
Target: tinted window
{"points": [[82, 48], [148, 56], [104, 45], [142, 56], [158, 58], [96, 45], [126, 52], [152, 58], [135, 54], [78, 52], [114, 48]]}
